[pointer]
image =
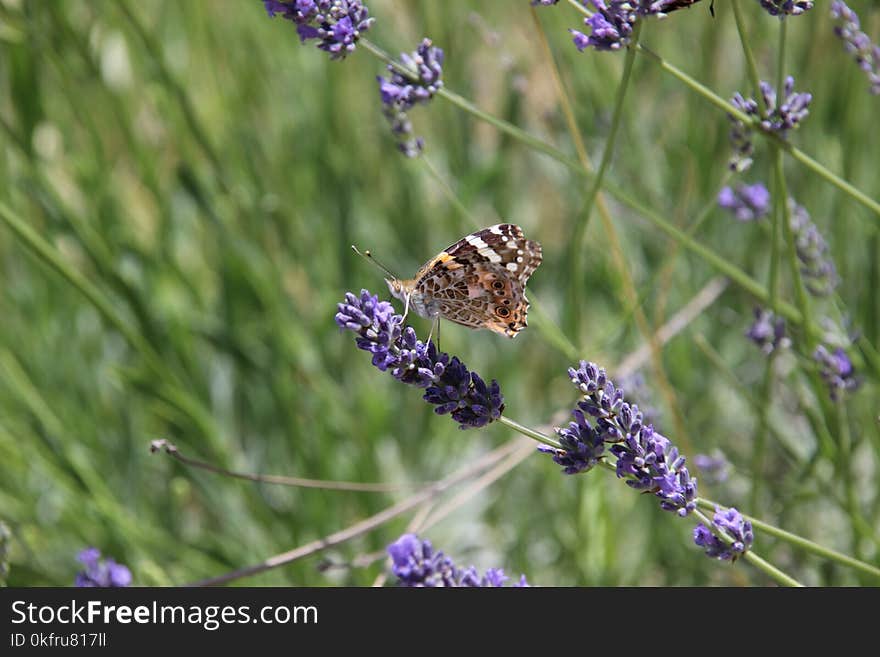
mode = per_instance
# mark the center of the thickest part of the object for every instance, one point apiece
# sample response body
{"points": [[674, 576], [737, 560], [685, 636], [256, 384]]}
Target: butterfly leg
{"points": [[405, 309], [438, 332], [435, 325]]}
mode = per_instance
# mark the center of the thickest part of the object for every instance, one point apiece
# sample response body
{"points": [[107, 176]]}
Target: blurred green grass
{"points": [[207, 174]]}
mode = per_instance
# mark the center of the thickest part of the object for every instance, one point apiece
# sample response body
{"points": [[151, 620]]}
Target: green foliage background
{"points": [[207, 173]]}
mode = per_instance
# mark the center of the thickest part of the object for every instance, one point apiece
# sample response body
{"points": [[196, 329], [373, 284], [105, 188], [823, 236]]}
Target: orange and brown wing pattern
{"points": [[480, 280]]}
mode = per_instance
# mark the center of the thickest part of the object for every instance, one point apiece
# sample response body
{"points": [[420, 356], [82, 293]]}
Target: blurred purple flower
{"points": [[714, 468], [638, 392], [837, 371], [857, 43], [448, 383], [734, 526], [817, 268], [774, 118], [400, 93], [415, 563], [768, 331], [100, 572], [783, 8], [338, 24], [747, 202]]}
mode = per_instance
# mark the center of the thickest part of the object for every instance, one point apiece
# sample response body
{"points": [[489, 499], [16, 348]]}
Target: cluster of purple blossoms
{"points": [[817, 268], [857, 43], [447, 382], [337, 24], [746, 202], [774, 118], [783, 8], [100, 572], [401, 92], [415, 563], [837, 371], [734, 526], [645, 459], [768, 331], [612, 23]]}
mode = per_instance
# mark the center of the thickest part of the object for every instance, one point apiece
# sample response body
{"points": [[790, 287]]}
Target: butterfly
{"points": [[478, 282]]}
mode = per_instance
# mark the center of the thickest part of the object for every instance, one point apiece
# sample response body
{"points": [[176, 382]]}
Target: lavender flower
{"points": [[734, 526], [400, 93], [416, 564], [645, 459], [610, 27], [768, 331], [837, 371], [747, 203], [714, 467], [817, 268], [100, 572], [783, 8], [612, 23], [776, 119], [337, 24], [448, 383], [857, 43], [582, 446]]}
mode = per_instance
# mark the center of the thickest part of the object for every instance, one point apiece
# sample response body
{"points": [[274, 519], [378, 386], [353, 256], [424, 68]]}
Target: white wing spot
{"points": [[476, 241], [519, 259], [490, 254], [511, 266]]}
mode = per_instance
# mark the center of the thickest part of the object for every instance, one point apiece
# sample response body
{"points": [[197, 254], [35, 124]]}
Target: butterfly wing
{"points": [[480, 280]]}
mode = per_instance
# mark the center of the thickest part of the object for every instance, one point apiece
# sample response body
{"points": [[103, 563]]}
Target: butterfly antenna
{"points": [[367, 255]]}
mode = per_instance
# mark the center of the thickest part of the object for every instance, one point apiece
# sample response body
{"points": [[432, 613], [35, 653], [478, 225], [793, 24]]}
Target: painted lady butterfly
{"points": [[478, 282]]}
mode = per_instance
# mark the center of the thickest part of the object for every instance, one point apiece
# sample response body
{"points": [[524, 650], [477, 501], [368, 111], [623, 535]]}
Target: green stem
{"points": [[577, 247], [770, 570], [830, 177], [801, 298], [531, 433], [751, 67], [448, 191], [846, 474], [695, 86], [780, 59]]}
